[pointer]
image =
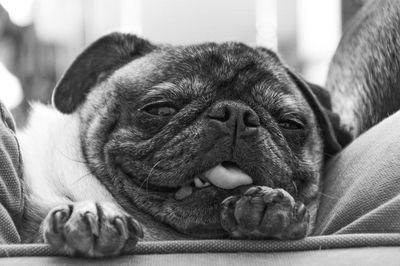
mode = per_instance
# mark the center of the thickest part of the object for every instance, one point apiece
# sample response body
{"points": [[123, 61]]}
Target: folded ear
{"points": [[335, 137], [95, 64]]}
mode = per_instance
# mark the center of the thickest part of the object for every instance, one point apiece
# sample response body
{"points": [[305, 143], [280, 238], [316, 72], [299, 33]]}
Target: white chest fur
{"points": [[54, 170]]}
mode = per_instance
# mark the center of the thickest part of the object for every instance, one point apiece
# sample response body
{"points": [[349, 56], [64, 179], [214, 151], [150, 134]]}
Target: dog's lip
{"points": [[226, 176], [173, 190], [148, 186], [189, 182], [151, 187], [159, 189]]}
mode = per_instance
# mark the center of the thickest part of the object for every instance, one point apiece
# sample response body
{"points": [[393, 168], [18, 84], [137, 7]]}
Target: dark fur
{"points": [[364, 74]]}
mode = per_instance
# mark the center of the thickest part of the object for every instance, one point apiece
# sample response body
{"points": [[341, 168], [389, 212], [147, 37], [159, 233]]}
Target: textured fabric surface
{"points": [[228, 246], [387, 256], [362, 184], [11, 197]]}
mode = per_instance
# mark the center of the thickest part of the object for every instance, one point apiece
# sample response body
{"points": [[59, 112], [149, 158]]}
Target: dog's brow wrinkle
{"points": [[165, 89], [184, 88], [278, 98], [161, 88]]}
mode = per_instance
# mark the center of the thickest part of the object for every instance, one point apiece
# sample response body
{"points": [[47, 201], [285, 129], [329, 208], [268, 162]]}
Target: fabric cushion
{"points": [[227, 246], [11, 195], [388, 256], [362, 184]]}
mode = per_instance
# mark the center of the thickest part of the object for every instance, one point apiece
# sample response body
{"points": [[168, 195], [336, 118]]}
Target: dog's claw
{"points": [[252, 190], [59, 219], [135, 227], [81, 229], [264, 212], [229, 201], [300, 209], [91, 219]]}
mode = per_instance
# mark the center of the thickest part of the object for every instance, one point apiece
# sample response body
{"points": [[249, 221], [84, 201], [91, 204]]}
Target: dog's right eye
{"points": [[290, 124], [164, 109]]}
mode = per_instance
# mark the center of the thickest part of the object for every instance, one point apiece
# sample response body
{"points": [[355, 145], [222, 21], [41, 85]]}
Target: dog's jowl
{"points": [[174, 142]]}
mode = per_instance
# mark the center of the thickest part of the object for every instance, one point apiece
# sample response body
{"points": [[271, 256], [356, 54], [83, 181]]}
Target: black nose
{"points": [[235, 116]]}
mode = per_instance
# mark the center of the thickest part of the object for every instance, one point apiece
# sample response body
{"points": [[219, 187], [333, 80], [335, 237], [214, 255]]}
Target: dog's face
{"points": [[158, 123]]}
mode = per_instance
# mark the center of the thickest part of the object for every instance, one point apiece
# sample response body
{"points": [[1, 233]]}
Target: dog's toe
{"points": [[54, 223], [91, 229], [263, 212]]}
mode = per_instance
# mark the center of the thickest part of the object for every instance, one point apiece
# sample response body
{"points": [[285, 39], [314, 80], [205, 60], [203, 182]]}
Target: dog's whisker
{"points": [[80, 178], [329, 155], [327, 195], [144, 181], [69, 158], [295, 187], [149, 176], [147, 179]]}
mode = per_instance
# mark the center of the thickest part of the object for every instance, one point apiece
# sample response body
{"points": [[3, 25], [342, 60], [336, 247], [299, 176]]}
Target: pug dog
{"points": [[159, 142]]}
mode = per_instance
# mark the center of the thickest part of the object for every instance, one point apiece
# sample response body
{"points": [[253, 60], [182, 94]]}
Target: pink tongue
{"points": [[227, 177]]}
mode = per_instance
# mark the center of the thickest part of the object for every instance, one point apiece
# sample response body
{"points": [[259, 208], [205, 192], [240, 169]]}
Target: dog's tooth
{"points": [[198, 183], [183, 192]]}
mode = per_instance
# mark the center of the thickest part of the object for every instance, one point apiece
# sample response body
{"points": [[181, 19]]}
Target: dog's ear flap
{"points": [[335, 137], [94, 65]]}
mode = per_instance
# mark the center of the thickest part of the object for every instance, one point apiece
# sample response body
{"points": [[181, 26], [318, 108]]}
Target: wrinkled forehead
{"points": [[193, 71]]}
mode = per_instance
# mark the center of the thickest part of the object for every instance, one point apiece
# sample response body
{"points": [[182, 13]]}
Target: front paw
{"points": [[263, 212], [91, 229]]}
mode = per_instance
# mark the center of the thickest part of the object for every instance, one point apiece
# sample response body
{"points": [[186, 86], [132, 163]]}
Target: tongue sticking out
{"points": [[227, 176]]}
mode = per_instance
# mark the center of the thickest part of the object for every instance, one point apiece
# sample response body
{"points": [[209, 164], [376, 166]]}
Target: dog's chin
{"points": [[196, 215], [191, 206]]}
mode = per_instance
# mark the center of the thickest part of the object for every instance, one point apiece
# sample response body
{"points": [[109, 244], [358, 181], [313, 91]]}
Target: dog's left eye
{"points": [[290, 124], [163, 109]]}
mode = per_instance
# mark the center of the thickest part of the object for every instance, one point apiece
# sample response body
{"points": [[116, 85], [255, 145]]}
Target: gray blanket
{"points": [[11, 196]]}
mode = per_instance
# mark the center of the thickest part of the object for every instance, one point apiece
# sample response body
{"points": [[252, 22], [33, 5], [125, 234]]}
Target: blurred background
{"points": [[40, 38]]}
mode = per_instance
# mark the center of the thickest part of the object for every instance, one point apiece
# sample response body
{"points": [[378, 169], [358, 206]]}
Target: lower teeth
{"points": [[187, 190], [198, 183], [183, 192]]}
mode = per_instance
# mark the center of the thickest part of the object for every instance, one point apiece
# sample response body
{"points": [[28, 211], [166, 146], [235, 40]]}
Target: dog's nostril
{"points": [[220, 114], [231, 114], [250, 119]]}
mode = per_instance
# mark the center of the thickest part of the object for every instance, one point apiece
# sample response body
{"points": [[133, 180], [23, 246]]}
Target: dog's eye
{"points": [[290, 124], [163, 109]]}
